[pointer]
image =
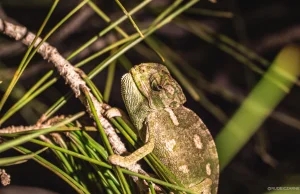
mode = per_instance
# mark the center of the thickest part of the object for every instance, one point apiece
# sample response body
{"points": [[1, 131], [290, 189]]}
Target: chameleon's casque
{"points": [[175, 134]]}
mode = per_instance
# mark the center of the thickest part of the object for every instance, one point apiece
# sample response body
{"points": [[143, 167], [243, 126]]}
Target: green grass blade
{"points": [[25, 101], [170, 8], [19, 159], [71, 153], [25, 59], [259, 104], [112, 26], [109, 81], [59, 103], [74, 184], [130, 18], [123, 18], [75, 154], [106, 49], [106, 18], [104, 138], [29, 95], [128, 46], [209, 12]]}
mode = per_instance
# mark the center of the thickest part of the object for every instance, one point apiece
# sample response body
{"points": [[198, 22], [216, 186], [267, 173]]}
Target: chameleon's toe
{"points": [[113, 112]]}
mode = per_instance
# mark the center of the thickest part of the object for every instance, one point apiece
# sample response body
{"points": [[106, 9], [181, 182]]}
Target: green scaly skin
{"points": [[174, 133]]}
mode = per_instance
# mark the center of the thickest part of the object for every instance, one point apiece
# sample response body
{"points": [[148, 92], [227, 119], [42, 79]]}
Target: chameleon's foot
{"points": [[120, 161], [113, 112]]}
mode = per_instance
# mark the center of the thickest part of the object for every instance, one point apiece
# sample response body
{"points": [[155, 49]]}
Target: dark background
{"points": [[264, 26]]}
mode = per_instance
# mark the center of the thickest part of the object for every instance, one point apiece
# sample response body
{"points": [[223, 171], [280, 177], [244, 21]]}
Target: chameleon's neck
{"points": [[136, 104]]}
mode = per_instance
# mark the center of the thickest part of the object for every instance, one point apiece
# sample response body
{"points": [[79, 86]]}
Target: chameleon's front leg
{"points": [[126, 161]]}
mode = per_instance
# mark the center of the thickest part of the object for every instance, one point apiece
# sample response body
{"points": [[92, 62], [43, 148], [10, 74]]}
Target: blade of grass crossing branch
{"points": [[25, 60], [130, 18], [259, 103]]}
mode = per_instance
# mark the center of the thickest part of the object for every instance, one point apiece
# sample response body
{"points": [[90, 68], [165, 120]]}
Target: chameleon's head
{"points": [[157, 86]]}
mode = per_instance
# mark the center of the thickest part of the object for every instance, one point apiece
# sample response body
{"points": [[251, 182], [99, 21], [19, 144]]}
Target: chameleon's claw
{"points": [[113, 112]]}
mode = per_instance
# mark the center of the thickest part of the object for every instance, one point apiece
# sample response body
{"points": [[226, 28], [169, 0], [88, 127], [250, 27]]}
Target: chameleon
{"points": [[174, 133]]}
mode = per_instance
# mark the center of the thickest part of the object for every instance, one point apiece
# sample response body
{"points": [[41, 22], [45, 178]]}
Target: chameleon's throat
{"points": [[136, 104]]}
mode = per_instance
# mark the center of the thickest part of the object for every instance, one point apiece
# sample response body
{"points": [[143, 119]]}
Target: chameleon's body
{"points": [[174, 133]]}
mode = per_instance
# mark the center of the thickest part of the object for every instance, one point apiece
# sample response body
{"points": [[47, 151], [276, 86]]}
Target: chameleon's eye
{"points": [[156, 82], [156, 86]]}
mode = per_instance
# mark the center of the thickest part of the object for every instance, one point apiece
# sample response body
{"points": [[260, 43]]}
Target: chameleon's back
{"points": [[187, 149]]}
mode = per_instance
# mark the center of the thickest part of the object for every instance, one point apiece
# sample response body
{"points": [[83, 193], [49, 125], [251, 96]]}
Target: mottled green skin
{"points": [[154, 101], [175, 147]]}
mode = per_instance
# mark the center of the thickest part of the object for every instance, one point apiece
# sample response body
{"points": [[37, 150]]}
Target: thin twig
{"points": [[39, 125]]}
